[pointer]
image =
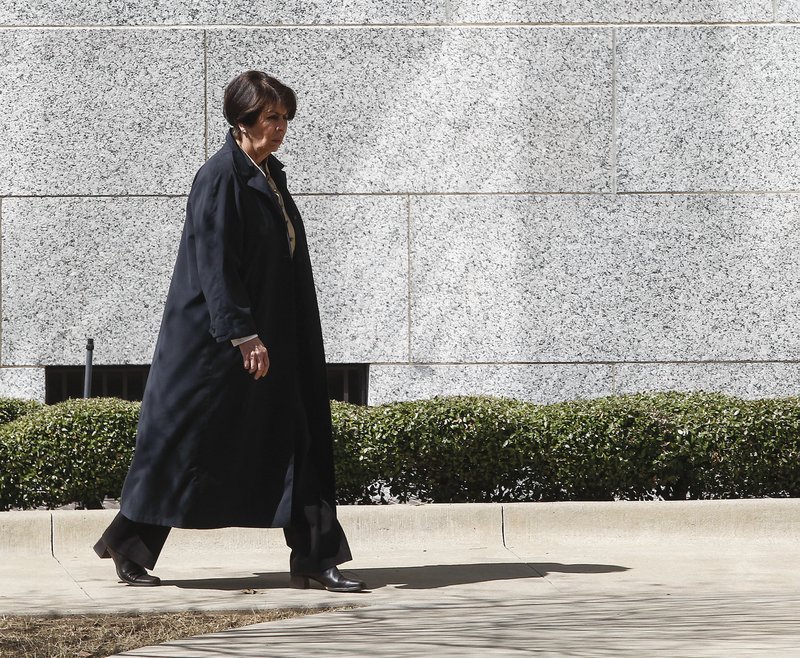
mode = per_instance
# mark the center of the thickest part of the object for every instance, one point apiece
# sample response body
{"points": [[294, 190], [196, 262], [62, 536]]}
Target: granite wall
{"points": [[547, 199]]}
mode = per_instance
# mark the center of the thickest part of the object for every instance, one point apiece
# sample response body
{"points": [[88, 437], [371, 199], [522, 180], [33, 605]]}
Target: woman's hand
{"points": [[255, 357]]}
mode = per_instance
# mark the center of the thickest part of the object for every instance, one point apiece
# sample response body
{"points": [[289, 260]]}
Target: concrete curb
{"points": [[70, 533], [763, 520]]}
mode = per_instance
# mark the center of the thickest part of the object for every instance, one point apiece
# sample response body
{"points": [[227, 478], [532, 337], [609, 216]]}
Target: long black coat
{"points": [[214, 446]]}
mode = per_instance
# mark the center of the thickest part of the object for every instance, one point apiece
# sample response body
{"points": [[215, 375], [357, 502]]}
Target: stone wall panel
{"points": [[24, 383], [787, 10], [100, 112], [746, 380], [574, 278], [296, 12], [359, 250], [541, 383], [78, 268], [433, 110], [708, 109]]}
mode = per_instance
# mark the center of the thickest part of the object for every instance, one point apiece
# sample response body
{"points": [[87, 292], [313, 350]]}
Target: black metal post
{"points": [[87, 377]]}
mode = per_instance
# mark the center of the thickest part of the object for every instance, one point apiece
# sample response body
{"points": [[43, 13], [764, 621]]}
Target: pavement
{"points": [[687, 578]]}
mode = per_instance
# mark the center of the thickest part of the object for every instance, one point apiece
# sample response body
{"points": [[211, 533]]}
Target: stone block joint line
{"points": [[408, 273], [405, 26], [613, 158], [205, 93], [1, 280]]}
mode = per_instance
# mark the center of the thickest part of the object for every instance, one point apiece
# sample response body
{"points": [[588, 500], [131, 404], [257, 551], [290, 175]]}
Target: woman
{"points": [[235, 425]]}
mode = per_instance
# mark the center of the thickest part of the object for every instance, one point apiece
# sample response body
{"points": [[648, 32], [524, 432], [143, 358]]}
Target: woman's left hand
{"points": [[255, 357]]}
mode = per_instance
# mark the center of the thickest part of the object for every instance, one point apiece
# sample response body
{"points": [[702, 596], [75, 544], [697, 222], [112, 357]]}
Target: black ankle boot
{"points": [[331, 579], [132, 573]]}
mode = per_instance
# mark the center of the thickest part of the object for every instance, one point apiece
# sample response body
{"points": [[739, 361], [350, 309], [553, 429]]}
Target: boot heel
{"points": [[299, 582]]}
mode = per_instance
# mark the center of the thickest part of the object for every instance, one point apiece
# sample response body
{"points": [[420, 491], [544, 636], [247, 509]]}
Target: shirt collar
{"points": [[261, 167], [244, 161]]}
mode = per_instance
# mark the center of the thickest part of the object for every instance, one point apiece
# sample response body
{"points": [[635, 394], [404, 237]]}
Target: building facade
{"points": [[545, 200]]}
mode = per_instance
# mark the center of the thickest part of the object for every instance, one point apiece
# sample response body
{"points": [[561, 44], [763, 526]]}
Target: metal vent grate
{"points": [[126, 382], [347, 383]]}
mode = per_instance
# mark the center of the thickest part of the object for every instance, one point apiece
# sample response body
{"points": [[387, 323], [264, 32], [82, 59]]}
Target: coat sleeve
{"points": [[217, 235]]}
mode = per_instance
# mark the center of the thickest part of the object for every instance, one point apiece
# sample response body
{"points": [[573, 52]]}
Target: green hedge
{"points": [[74, 451], [458, 449], [629, 447], [11, 408], [445, 449]]}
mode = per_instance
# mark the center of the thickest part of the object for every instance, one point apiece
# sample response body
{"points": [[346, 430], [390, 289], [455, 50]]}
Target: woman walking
{"points": [[235, 424]]}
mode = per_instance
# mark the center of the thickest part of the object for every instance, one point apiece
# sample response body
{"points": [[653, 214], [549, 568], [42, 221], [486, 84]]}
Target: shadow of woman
{"points": [[422, 577]]}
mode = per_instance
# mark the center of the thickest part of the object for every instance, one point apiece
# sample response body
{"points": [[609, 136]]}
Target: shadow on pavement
{"points": [[422, 577], [647, 624]]}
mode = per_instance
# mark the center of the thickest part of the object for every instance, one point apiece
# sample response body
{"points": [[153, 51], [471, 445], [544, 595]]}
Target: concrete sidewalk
{"points": [[699, 578]]}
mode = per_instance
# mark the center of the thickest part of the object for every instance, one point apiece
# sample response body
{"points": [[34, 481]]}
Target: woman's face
{"points": [[266, 134]]}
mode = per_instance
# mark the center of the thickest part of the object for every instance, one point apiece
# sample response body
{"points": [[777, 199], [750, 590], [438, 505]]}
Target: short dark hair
{"points": [[250, 93]]}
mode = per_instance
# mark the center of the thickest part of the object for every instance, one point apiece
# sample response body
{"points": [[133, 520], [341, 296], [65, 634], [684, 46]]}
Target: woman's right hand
{"points": [[255, 357]]}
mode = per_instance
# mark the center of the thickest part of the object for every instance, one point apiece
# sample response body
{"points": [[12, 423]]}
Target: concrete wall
{"points": [[545, 199]]}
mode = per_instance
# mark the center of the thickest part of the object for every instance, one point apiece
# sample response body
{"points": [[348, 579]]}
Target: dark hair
{"points": [[250, 93]]}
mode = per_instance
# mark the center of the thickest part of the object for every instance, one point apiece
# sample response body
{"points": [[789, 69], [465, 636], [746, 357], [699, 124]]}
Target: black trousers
{"points": [[315, 537]]}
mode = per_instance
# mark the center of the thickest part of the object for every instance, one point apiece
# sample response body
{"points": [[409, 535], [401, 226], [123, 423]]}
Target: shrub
{"points": [[11, 408], [357, 473], [77, 450], [459, 449], [448, 449], [749, 448], [626, 447], [629, 447]]}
